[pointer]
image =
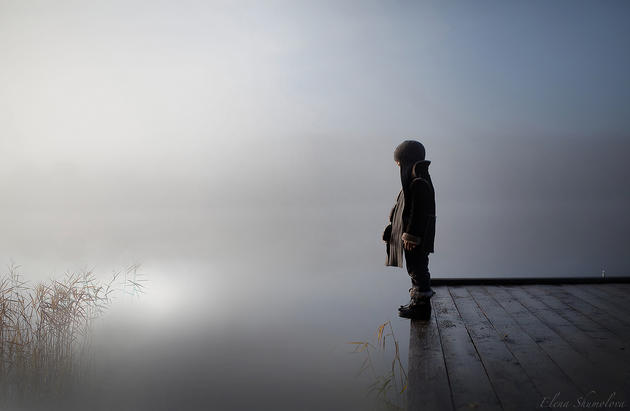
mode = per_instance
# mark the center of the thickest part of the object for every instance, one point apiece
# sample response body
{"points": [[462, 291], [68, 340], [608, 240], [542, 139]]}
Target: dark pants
{"points": [[418, 269]]}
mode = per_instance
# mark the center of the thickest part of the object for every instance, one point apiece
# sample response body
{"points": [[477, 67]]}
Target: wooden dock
{"points": [[522, 347]]}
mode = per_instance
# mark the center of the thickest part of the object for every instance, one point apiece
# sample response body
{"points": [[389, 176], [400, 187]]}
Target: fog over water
{"points": [[242, 152]]}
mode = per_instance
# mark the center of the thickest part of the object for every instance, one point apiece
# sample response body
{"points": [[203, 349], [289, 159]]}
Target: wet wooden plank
{"points": [[614, 290], [606, 349], [602, 337], [600, 371], [546, 375], [585, 303], [452, 281], [574, 364], [428, 382], [573, 334], [558, 339], [601, 303], [619, 302], [470, 385], [512, 385]]}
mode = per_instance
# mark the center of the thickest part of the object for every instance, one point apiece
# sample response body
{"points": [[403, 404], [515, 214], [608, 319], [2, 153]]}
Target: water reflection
{"points": [[384, 368], [208, 346]]}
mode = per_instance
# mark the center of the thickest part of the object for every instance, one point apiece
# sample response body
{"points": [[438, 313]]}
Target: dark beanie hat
{"points": [[409, 150]]}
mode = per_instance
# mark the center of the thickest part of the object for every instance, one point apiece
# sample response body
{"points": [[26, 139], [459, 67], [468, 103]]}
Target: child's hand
{"points": [[408, 245]]}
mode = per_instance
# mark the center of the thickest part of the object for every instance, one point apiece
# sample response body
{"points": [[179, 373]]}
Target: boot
{"points": [[419, 305], [418, 312], [418, 297]]}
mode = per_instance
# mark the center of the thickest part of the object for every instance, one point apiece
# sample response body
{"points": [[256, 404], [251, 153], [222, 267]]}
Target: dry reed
{"points": [[45, 329], [389, 387]]}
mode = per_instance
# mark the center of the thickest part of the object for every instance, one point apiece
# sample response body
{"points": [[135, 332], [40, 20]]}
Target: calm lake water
{"points": [[258, 317]]}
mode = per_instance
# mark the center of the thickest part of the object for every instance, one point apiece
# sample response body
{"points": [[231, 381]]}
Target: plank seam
{"points": [[504, 343], [540, 347], [476, 349], [448, 377]]}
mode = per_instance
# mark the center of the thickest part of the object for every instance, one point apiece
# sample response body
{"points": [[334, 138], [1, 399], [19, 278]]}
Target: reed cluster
{"points": [[388, 376], [45, 329]]}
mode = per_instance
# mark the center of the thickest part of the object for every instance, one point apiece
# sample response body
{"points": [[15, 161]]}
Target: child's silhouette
{"points": [[411, 230]]}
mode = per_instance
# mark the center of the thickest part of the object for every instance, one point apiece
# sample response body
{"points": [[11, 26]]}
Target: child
{"points": [[412, 227]]}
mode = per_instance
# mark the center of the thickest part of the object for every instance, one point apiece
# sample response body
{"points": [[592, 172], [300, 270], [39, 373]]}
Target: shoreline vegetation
{"points": [[386, 372], [45, 329]]}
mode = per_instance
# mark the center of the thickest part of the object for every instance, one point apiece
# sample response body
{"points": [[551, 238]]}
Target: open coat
{"points": [[412, 218]]}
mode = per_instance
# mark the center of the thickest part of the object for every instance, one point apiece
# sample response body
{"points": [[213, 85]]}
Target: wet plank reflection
{"points": [[520, 347]]}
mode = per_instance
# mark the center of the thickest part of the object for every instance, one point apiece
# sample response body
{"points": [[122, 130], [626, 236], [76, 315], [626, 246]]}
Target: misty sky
{"points": [[135, 117]]}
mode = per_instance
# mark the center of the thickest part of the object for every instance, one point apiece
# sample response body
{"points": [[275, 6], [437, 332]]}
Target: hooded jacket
{"points": [[413, 218], [419, 211]]}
